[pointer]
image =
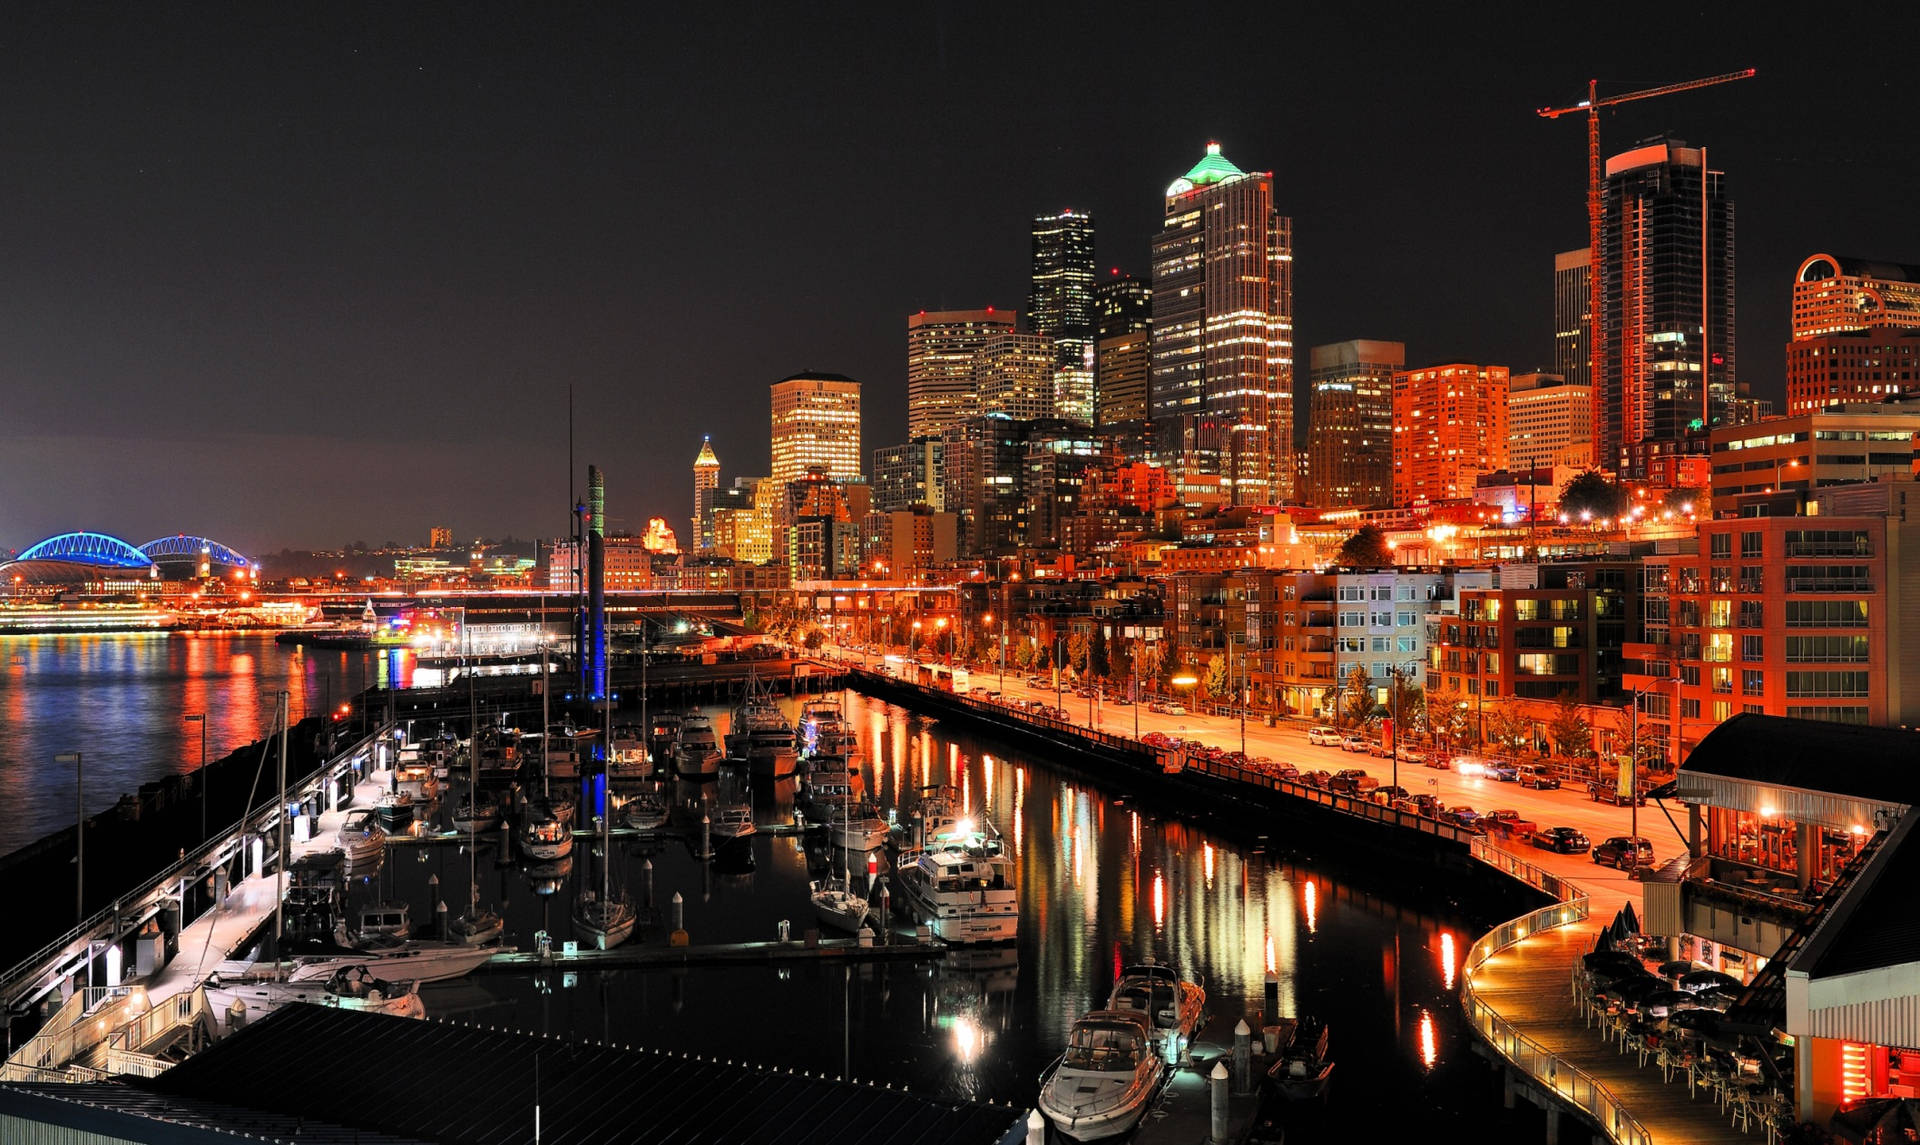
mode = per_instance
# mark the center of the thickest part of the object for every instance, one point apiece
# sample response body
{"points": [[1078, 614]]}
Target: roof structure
{"points": [[461, 1085], [1212, 168], [706, 457], [820, 376], [1865, 763], [117, 1110], [1875, 925]]}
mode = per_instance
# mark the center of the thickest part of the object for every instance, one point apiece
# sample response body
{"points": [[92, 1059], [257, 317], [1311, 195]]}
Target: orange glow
{"points": [[1207, 852], [1313, 908], [1447, 963], [1854, 1080], [1429, 1050], [1159, 902], [1270, 962]]}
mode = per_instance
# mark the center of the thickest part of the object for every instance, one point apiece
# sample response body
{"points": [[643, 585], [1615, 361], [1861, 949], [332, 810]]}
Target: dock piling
{"points": [[1217, 1088], [1242, 1057], [1036, 1128], [1273, 996]]}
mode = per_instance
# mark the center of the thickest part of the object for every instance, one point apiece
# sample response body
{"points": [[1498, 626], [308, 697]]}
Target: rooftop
{"points": [[817, 376], [1802, 754], [1875, 924]]}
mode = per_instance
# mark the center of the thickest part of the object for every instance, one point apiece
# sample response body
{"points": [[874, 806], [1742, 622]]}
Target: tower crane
{"points": [[1596, 343]]}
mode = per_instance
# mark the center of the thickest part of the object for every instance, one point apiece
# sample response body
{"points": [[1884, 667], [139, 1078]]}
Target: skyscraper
{"points": [[908, 475], [1350, 422], [816, 423], [1060, 306], [940, 349], [1449, 426], [1013, 374], [1221, 383], [1667, 232], [1573, 316], [706, 480], [1549, 422], [1122, 349], [1856, 332]]}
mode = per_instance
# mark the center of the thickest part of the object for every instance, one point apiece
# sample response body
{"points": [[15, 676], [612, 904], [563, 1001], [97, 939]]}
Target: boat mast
{"points": [[546, 724], [280, 874]]}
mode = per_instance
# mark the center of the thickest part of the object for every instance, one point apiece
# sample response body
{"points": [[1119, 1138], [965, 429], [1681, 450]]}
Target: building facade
{"points": [[1856, 332], [1014, 375], [1811, 451], [1549, 422], [1123, 349], [816, 422], [1449, 427], [908, 475], [706, 483], [1221, 378], [1350, 422], [1573, 319], [1060, 307], [940, 349], [906, 544]]}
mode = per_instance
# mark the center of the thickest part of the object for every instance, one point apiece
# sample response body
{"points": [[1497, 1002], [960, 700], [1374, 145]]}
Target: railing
{"points": [[1545, 1067]]}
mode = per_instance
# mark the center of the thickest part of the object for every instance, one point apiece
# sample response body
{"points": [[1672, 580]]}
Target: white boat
{"points": [[545, 837], [856, 825], [382, 921], [1174, 1008], [836, 904], [396, 960], [1105, 1082], [363, 841], [351, 988], [645, 811], [963, 890], [627, 757], [935, 819], [698, 754]]}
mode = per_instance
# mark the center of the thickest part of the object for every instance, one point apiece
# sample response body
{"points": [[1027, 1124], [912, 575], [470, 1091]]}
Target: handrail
{"points": [[1564, 1079]]}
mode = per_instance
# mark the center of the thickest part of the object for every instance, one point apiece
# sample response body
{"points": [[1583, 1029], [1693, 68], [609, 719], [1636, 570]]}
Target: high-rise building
{"points": [[1549, 422], [439, 537], [1013, 374], [1350, 422], [1856, 332], [706, 480], [1449, 427], [1060, 306], [1122, 349], [1221, 384], [816, 422], [908, 475], [1667, 235], [1573, 318], [940, 349]]}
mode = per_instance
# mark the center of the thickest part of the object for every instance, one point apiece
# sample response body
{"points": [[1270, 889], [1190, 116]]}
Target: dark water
{"points": [[118, 699], [1100, 883]]}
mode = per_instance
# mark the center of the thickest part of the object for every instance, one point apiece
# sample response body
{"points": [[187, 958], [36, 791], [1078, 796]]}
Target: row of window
{"points": [[1818, 684]]}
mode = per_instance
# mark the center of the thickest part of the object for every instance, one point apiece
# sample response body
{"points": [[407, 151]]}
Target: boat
{"points": [[761, 734], [698, 753], [835, 904], [476, 811], [773, 762], [350, 988], [608, 916], [382, 920], [477, 926], [855, 825], [395, 809], [645, 811], [627, 757], [733, 820], [963, 890], [663, 735], [1102, 1086], [1303, 1070], [935, 819], [394, 959], [1173, 1008], [363, 841], [545, 837]]}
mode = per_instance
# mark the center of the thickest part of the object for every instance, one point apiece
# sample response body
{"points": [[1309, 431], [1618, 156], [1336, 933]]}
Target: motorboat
{"points": [[1174, 1008], [476, 811], [394, 959], [395, 809], [773, 762], [1303, 1070], [761, 734], [386, 920], [645, 811], [836, 904], [545, 836], [733, 820], [935, 819], [353, 987], [479, 926], [963, 890], [856, 825], [1105, 1082], [663, 736], [363, 841], [627, 757], [698, 756]]}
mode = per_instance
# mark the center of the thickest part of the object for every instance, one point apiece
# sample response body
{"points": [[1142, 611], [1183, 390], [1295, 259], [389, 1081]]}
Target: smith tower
{"points": [[706, 484], [1221, 383]]}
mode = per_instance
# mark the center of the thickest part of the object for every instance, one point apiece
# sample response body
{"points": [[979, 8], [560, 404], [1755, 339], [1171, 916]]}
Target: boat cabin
{"points": [[1107, 1041]]}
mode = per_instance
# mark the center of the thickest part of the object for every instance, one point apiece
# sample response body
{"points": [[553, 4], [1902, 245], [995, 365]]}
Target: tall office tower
{"points": [[1573, 317], [706, 480], [1449, 427], [908, 475], [940, 349], [1350, 422], [816, 422], [1549, 422], [1013, 375], [1221, 381], [1667, 235], [1856, 332], [1122, 349], [1060, 306]]}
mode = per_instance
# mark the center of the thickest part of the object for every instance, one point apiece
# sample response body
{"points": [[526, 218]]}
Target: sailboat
{"points": [[834, 902], [477, 926], [547, 832], [608, 918]]}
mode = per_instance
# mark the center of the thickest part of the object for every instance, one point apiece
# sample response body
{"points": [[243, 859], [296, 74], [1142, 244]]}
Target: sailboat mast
{"points": [[280, 874], [546, 720]]}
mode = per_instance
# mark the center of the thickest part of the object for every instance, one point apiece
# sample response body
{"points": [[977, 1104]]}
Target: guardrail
{"points": [[37, 971], [1545, 1067]]}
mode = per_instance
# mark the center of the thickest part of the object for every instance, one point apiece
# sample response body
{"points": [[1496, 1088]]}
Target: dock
{"points": [[629, 955], [1183, 1113]]}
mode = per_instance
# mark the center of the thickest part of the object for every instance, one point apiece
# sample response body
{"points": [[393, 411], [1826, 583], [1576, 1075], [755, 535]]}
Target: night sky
{"points": [[290, 275]]}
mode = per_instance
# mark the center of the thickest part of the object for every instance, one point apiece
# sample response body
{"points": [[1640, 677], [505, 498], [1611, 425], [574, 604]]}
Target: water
{"points": [[118, 699]]}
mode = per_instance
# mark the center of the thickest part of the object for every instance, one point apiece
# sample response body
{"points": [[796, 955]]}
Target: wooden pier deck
{"points": [[631, 955], [1183, 1114]]}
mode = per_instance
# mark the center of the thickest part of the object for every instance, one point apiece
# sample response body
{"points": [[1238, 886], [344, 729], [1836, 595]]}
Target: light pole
{"points": [[201, 719], [1133, 659]]}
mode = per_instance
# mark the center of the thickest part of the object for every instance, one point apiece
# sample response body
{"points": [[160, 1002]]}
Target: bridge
{"points": [[84, 556]]}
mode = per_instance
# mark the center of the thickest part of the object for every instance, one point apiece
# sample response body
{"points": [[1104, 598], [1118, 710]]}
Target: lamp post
{"points": [[201, 719]]}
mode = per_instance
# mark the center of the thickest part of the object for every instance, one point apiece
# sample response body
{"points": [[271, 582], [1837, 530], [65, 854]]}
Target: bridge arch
{"points": [[95, 549], [181, 547]]}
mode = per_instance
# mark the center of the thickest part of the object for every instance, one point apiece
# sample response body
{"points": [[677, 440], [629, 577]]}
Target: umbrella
{"points": [[1698, 980], [1632, 919], [1618, 930], [1618, 961], [1704, 1021], [1676, 968], [1662, 1003], [1634, 989]]}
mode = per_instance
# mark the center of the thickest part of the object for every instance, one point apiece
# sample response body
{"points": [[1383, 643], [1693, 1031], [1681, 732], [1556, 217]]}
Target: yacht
{"points": [[963, 889], [395, 809], [545, 836], [394, 959], [627, 754], [645, 811], [698, 756], [1304, 1070], [733, 820], [1101, 1087], [349, 988], [855, 825], [761, 734], [663, 736], [363, 841], [1173, 1008], [935, 819]]}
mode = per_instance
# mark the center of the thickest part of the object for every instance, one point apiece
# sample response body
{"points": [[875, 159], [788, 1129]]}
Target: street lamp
{"points": [[1778, 467], [80, 835], [1397, 681], [201, 719]]}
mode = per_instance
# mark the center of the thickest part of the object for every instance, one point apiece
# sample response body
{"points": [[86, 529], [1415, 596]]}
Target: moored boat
{"points": [[698, 755], [963, 890], [838, 905], [1174, 1008], [395, 809], [856, 825], [1105, 1082], [394, 960], [1303, 1070], [645, 811], [363, 841]]}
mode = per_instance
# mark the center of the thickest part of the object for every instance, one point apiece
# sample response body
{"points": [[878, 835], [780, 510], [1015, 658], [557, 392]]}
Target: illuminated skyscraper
{"points": [[816, 422], [706, 480], [1573, 318], [1350, 422], [1549, 422], [1856, 332], [1123, 345], [1667, 232], [1060, 307], [1221, 387], [1013, 375], [940, 349], [1449, 427]]}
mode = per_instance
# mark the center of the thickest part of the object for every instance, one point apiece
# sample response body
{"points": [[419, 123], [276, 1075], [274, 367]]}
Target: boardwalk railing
{"points": [[1538, 1062]]}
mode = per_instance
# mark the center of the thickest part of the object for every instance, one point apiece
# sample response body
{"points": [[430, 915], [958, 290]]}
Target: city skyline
{"points": [[302, 271]]}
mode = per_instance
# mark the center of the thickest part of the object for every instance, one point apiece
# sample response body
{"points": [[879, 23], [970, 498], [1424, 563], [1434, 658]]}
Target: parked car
{"points": [[1287, 772], [1606, 791], [1565, 840], [1324, 736], [1538, 776], [1427, 805], [1353, 743], [1504, 772], [1407, 806], [1467, 817], [1316, 778], [1509, 823], [1416, 756], [1121, 702], [1436, 760], [1358, 781], [1176, 710], [1624, 852], [1392, 791], [1379, 749]]}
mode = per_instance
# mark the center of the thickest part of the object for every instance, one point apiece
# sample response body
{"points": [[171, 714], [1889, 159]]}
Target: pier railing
{"points": [[1544, 1066]]}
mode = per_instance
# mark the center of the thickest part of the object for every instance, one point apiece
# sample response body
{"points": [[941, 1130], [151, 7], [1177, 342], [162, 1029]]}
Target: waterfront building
{"points": [[816, 422], [1549, 421], [629, 564], [1060, 307], [903, 545], [1449, 427], [1350, 422], [1573, 320], [1856, 332], [940, 349], [706, 482], [1014, 375], [1806, 452], [1664, 210], [908, 475], [1221, 379], [1123, 346]]}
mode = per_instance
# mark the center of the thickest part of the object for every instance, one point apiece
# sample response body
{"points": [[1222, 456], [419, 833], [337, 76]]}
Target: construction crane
{"points": [[1596, 343]]}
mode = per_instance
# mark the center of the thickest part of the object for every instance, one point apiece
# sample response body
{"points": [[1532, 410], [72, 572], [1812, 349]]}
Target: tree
{"points": [[1592, 494], [1077, 649], [1447, 717], [1099, 657], [1219, 677], [1366, 549], [1407, 700], [1507, 728], [1119, 659], [1569, 730], [814, 639], [1022, 655], [1042, 657], [1356, 698], [1686, 499]]}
